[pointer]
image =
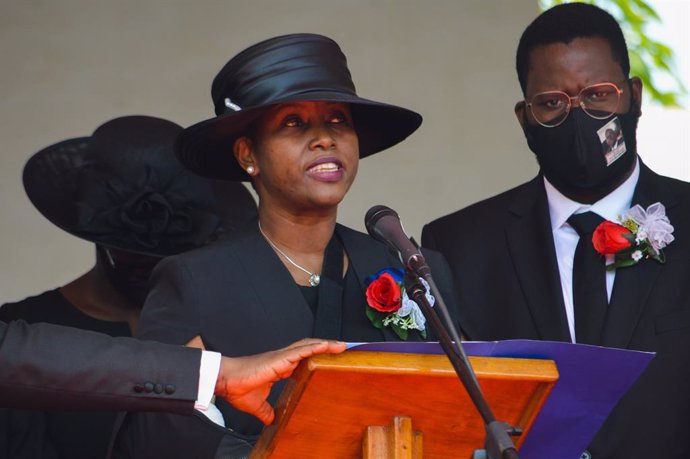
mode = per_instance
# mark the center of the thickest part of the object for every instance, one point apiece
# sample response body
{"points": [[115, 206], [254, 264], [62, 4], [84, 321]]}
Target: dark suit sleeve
{"points": [[45, 366]]}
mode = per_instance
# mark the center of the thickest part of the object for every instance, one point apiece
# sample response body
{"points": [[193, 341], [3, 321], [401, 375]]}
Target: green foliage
{"points": [[646, 54]]}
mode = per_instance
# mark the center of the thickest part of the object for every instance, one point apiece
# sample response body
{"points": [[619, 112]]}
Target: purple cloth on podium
{"points": [[592, 380]]}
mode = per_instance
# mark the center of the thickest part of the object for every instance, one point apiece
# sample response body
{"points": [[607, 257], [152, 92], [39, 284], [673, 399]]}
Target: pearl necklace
{"points": [[314, 278]]}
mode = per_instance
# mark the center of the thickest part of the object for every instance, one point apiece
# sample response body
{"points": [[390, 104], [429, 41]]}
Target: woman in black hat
{"points": [[289, 120], [123, 190]]}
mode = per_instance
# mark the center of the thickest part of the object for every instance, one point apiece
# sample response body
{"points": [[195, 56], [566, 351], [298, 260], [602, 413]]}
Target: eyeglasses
{"points": [[599, 101]]}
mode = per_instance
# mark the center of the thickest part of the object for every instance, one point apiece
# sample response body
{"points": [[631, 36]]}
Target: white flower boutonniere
{"points": [[642, 233]]}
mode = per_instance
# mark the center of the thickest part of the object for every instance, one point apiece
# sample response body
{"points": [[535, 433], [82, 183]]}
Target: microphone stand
{"points": [[498, 444]]}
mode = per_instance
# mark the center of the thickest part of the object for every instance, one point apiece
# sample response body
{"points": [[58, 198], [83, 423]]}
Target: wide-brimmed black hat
{"points": [[123, 188], [289, 68]]}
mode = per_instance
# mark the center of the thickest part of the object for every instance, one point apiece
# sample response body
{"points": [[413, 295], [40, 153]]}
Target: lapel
{"points": [[633, 284], [531, 248], [365, 260], [285, 309]]}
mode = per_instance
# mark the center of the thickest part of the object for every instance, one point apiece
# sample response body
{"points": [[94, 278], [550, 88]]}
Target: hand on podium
{"points": [[245, 382]]}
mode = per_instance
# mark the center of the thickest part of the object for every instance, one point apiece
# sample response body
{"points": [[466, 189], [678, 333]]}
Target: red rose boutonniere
{"points": [[641, 234], [610, 238], [389, 306], [384, 293]]}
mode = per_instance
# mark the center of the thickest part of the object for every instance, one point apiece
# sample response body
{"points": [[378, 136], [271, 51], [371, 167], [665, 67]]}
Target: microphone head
{"points": [[375, 214], [383, 224]]}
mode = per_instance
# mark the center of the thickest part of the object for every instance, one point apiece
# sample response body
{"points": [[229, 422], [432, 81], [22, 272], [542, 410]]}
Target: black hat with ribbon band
{"points": [[289, 68], [123, 188]]}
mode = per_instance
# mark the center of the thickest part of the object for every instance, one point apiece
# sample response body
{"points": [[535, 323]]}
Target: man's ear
{"points": [[520, 108], [244, 154], [636, 93]]}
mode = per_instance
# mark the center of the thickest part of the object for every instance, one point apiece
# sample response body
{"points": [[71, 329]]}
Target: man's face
{"points": [[570, 152], [573, 66], [610, 136]]}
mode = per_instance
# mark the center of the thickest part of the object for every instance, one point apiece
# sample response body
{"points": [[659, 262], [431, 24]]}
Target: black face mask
{"points": [[574, 155], [130, 278]]}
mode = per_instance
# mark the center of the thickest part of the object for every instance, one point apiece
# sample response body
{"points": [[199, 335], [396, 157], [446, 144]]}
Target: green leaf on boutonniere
{"points": [[622, 263], [401, 332], [660, 257], [423, 333], [375, 317]]}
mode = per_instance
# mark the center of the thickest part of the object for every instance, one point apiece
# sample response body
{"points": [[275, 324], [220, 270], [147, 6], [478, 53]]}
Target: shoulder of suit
{"points": [[348, 233], [354, 240], [219, 249], [679, 186], [672, 192], [31, 308], [30, 300]]}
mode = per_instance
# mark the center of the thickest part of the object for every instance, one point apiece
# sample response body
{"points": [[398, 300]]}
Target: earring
{"points": [[250, 170]]}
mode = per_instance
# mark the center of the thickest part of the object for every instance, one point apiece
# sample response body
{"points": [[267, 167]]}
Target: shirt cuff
{"points": [[208, 375]]}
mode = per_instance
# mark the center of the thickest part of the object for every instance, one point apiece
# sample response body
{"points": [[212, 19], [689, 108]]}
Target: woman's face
{"points": [[305, 155]]}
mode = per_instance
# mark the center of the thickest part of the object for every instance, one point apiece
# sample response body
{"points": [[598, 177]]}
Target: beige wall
{"points": [[69, 65]]}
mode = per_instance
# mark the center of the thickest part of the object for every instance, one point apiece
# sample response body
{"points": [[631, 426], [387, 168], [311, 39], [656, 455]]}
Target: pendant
{"points": [[314, 280]]}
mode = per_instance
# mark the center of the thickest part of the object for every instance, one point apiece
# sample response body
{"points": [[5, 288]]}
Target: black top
{"points": [[58, 434], [311, 296]]}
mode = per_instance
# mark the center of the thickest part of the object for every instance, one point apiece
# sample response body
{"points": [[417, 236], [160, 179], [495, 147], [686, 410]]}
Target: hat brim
{"points": [[51, 180], [206, 147]]}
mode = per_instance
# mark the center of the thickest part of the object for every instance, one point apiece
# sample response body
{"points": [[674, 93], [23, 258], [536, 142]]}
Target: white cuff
{"points": [[208, 375]]}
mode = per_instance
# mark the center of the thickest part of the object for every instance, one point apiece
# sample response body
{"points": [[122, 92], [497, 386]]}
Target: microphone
{"points": [[383, 224]]}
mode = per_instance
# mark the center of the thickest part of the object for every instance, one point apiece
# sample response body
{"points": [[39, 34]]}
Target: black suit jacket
{"points": [[502, 256], [45, 367], [240, 298]]}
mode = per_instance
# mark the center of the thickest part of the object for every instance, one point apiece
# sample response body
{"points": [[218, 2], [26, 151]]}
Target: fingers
{"points": [[317, 346], [286, 360], [264, 413], [335, 347], [246, 381], [309, 347], [304, 342]]}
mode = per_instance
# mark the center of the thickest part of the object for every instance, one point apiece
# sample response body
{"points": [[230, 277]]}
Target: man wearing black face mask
{"points": [[526, 262], [123, 190]]}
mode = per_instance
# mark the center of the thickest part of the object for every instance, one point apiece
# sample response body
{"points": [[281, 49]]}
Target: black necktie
{"points": [[590, 299]]}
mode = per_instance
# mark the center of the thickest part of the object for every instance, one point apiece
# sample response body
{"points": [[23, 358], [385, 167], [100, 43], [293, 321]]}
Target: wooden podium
{"points": [[359, 404]]}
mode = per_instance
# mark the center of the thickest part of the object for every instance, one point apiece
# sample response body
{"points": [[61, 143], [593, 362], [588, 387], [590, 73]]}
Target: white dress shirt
{"points": [[565, 238]]}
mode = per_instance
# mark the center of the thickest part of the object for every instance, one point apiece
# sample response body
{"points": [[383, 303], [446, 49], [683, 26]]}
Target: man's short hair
{"points": [[563, 24]]}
